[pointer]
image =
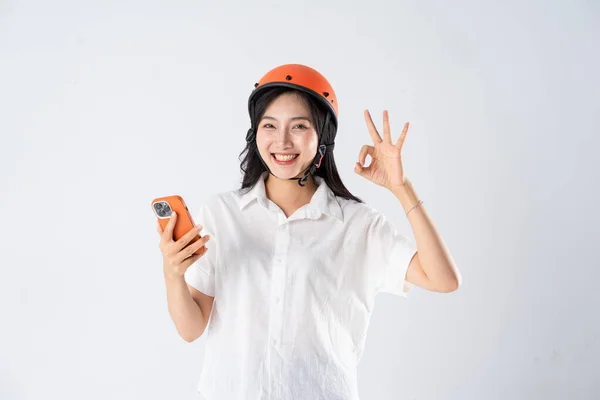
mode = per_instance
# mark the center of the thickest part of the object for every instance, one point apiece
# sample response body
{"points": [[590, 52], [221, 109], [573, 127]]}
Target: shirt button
{"points": [[277, 300], [274, 342]]}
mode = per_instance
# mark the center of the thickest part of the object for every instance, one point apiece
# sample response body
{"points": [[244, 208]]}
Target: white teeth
{"points": [[285, 158]]}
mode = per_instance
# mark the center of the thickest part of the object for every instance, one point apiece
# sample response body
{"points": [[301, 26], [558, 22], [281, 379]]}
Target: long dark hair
{"points": [[251, 165]]}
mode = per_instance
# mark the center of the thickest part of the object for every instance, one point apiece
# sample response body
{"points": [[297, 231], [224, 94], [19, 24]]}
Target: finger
{"points": [[364, 151], [387, 136], [159, 228], [372, 129], [191, 249], [167, 235], [188, 237], [400, 141], [190, 260]]}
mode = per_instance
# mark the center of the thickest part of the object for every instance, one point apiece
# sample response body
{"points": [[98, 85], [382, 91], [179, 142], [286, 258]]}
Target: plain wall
{"points": [[106, 105]]}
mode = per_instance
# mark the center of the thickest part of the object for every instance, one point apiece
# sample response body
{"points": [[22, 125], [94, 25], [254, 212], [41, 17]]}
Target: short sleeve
{"points": [[389, 254], [201, 274]]}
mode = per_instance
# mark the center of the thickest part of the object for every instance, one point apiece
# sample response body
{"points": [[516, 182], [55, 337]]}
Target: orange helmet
{"points": [[299, 77], [308, 80]]}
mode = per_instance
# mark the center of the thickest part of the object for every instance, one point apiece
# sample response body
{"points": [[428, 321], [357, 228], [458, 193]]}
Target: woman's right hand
{"points": [[176, 256]]}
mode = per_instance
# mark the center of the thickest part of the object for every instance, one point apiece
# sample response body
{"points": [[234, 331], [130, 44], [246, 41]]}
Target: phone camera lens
{"points": [[162, 209]]}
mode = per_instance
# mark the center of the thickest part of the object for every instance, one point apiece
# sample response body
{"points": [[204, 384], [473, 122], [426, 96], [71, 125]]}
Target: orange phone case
{"points": [[184, 219]]}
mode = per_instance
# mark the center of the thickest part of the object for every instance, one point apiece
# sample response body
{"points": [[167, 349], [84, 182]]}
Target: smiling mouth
{"points": [[284, 159]]}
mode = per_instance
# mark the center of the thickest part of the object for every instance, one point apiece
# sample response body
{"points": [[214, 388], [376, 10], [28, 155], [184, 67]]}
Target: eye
{"points": [[301, 126], [268, 126]]}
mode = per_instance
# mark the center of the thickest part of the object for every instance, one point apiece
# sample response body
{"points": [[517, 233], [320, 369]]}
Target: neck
{"points": [[287, 194]]}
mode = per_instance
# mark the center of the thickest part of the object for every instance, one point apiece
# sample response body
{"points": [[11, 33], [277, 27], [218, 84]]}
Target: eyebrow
{"points": [[291, 119]]}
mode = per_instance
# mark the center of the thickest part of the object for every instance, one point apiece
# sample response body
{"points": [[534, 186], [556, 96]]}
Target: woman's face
{"points": [[286, 130]]}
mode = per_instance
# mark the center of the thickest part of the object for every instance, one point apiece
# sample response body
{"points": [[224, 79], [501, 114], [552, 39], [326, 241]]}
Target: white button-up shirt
{"points": [[293, 296]]}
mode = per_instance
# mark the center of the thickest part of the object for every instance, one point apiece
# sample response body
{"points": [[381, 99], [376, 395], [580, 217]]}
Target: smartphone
{"points": [[163, 207]]}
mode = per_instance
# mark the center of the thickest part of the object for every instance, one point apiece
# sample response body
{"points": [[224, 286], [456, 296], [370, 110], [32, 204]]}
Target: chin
{"points": [[285, 171], [284, 174]]}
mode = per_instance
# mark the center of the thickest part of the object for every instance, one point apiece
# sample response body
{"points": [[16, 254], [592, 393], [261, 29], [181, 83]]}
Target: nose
{"points": [[283, 137]]}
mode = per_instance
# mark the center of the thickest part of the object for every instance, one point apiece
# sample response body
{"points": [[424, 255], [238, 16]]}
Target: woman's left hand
{"points": [[385, 168]]}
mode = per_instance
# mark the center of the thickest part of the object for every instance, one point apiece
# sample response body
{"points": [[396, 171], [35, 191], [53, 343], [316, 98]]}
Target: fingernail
{"points": [[172, 214]]}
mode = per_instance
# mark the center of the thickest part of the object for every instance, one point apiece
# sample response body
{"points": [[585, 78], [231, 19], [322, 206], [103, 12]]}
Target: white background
{"points": [[106, 105]]}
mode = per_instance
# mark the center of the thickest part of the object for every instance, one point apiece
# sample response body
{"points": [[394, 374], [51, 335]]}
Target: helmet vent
{"points": [[288, 78], [326, 94]]}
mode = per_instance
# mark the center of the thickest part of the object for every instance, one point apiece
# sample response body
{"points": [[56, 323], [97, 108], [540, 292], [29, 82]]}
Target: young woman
{"points": [[292, 261]]}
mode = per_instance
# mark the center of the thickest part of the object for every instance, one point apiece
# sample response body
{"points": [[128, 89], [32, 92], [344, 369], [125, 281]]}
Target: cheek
{"points": [[262, 142], [310, 144]]}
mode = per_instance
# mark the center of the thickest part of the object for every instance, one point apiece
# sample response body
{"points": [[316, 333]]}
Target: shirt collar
{"points": [[323, 201]]}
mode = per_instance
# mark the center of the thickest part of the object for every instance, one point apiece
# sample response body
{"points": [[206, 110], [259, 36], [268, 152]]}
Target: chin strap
{"points": [[316, 163], [321, 151]]}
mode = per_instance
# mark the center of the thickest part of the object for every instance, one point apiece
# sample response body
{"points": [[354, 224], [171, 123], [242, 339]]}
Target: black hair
{"points": [[251, 165]]}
